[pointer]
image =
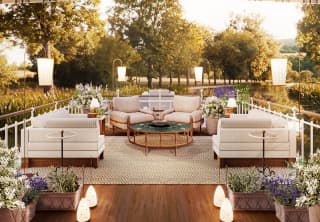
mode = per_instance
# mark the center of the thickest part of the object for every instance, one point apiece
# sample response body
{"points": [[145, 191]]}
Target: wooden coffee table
{"points": [[173, 135]]}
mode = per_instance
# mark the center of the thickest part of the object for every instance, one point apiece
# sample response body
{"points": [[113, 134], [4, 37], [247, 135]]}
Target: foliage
{"points": [[283, 190], [213, 107], [11, 186], [7, 73], [85, 93], [245, 181], [128, 90], [309, 95], [309, 181], [308, 32], [62, 180], [34, 185], [243, 92]]}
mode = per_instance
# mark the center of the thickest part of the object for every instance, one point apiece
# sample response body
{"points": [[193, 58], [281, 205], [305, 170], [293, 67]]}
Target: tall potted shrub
{"points": [[285, 192], [246, 192], [308, 176], [63, 191], [213, 109]]}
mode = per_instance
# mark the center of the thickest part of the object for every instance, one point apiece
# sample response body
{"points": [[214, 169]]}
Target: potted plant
{"points": [[246, 192], [11, 186], [308, 176], [285, 192], [213, 109], [63, 191]]}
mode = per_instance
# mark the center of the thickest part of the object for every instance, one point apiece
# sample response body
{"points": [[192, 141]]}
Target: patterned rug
{"points": [[126, 163]]}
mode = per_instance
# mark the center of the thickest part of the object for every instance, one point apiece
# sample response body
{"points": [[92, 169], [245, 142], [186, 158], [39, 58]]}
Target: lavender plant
{"points": [[34, 185], [62, 180]]}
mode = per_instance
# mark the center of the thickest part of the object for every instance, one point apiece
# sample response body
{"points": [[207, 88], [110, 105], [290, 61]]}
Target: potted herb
{"points": [[63, 191], [11, 186], [213, 109], [285, 192], [308, 176], [246, 192]]}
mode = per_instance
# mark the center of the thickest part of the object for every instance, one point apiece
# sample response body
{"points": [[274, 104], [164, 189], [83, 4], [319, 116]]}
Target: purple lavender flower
{"points": [[38, 183]]}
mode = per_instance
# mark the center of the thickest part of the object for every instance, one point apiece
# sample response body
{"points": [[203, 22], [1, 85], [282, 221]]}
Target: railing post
{"points": [[302, 137], [15, 134], [294, 113], [269, 105], [311, 137], [6, 135], [201, 95], [32, 112], [251, 101], [55, 105]]}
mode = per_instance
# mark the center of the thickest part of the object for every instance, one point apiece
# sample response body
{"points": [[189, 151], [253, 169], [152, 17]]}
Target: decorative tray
{"points": [[159, 123]]}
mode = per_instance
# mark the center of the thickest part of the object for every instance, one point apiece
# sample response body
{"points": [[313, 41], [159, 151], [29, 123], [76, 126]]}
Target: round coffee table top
{"points": [[150, 128]]}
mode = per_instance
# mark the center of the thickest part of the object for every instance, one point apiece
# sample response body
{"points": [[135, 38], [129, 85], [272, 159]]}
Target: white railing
{"points": [[293, 121]]}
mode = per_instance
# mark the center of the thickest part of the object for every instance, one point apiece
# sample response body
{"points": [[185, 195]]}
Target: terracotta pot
{"points": [[85, 110], [291, 214], [314, 213], [14, 215], [212, 124], [250, 201], [30, 210], [59, 201]]}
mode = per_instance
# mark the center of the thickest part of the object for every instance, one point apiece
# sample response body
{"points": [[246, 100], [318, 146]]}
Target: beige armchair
{"points": [[126, 110], [186, 109]]}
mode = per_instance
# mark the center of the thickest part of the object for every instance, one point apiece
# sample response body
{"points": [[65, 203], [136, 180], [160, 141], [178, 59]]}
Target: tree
{"points": [[7, 73], [308, 32]]}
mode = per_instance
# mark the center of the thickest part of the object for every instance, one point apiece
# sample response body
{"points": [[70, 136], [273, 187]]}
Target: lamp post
{"points": [[121, 72]]}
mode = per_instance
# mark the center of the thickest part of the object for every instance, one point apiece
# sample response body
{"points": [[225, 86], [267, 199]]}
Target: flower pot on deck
{"points": [[12, 215], [59, 201], [291, 214], [30, 210], [260, 201], [314, 213], [211, 125]]}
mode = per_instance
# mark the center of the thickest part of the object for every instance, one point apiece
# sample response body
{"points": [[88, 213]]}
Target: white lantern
{"points": [[279, 71], [218, 196], [91, 197], [232, 103], [83, 211], [45, 71], [226, 213], [94, 104], [121, 73], [198, 73]]}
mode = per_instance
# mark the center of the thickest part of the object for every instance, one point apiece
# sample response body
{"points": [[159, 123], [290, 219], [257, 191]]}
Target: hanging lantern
{"points": [[218, 196], [226, 213], [121, 73], [279, 71], [198, 73], [45, 71], [91, 196], [83, 211]]}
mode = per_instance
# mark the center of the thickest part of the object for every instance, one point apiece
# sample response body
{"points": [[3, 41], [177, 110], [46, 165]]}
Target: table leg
{"points": [[175, 139], [145, 144]]}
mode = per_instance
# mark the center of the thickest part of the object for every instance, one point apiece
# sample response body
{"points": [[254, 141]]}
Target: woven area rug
{"points": [[126, 163]]}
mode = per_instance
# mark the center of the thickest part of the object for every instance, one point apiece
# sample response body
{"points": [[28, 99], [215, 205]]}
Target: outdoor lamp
{"points": [[94, 104], [198, 73], [83, 211], [218, 196], [226, 213], [121, 73], [45, 71], [279, 71], [232, 103], [91, 197]]}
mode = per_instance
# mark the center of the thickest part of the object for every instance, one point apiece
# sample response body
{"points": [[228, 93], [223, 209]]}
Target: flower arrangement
{"points": [[283, 190], [12, 187], [34, 185], [62, 180], [214, 107], [308, 176], [245, 181], [85, 93]]}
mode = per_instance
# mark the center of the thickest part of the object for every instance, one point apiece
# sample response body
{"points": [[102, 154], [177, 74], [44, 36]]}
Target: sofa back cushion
{"points": [[186, 104], [128, 104], [40, 121], [71, 123], [247, 122], [277, 121]]}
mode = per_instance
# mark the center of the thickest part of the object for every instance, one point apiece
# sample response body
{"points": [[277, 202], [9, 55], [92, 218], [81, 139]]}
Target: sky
{"points": [[280, 18]]}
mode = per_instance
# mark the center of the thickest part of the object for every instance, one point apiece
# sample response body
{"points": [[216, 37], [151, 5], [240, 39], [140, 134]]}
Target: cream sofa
{"points": [[85, 147], [126, 110], [186, 109], [238, 141]]}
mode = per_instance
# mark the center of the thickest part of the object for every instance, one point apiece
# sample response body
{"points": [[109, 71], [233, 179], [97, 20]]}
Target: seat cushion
{"points": [[119, 117], [180, 117], [128, 104], [186, 103], [139, 117]]}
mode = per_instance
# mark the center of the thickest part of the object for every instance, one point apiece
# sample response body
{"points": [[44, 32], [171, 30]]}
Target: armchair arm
{"points": [[166, 112], [197, 116]]}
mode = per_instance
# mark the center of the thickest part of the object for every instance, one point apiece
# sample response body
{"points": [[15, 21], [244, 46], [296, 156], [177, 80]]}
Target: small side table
{"points": [[264, 136], [62, 137]]}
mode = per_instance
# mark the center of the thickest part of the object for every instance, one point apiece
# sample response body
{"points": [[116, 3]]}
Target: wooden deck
{"points": [[155, 203]]}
